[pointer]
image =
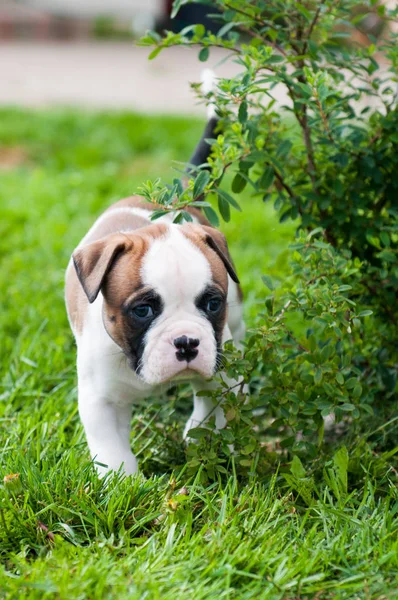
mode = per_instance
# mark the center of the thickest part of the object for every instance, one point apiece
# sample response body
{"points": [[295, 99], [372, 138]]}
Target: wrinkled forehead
{"points": [[175, 267]]}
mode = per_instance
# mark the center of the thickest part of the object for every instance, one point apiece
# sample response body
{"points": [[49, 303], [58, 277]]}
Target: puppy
{"points": [[162, 296]]}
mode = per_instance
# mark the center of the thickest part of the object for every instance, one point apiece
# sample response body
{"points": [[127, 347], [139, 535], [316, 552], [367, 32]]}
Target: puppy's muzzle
{"points": [[186, 348]]}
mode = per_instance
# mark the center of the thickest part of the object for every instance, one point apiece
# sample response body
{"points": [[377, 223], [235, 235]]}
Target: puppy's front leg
{"points": [[107, 427], [203, 409]]}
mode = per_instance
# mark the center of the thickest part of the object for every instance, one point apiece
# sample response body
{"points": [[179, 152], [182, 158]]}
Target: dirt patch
{"points": [[12, 157]]}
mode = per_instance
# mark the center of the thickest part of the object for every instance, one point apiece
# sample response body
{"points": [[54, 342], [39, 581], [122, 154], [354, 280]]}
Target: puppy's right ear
{"points": [[216, 240], [94, 261]]}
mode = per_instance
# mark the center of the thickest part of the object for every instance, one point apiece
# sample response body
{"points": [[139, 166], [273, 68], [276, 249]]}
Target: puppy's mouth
{"points": [[185, 374]]}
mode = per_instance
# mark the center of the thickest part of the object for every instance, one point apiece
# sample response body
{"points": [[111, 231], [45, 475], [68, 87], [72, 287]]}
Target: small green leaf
{"points": [[155, 52], [329, 389], [266, 179], [357, 391], [340, 462], [224, 209], [221, 469], [204, 54], [314, 232], [269, 304], [187, 216], [238, 183], [365, 313], [286, 215], [198, 433], [157, 214], [296, 468], [229, 199], [385, 239], [178, 186], [200, 183], [387, 255], [211, 215], [179, 218], [340, 378], [226, 28], [268, 282], [312, 342], [284, 148], [275, 58], [249, 447], [351, 383], [326, 352], [306, 90], [373, 240], [176, 7], [347, 407], [304, 11], [230, 414], [199, 30], [242, 113], [318, 376]]}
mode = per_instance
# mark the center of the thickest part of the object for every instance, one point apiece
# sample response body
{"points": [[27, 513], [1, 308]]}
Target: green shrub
{"points": [[326, 341]]}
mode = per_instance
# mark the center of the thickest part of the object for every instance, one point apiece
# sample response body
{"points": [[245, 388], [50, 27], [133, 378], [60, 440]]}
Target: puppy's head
{"points": [[165, 296]]}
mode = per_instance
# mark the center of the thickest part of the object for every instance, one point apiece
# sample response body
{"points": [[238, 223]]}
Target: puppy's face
{"points": [[165, 297]]}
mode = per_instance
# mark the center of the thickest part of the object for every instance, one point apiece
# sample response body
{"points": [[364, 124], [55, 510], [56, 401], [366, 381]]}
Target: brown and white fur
{"points": [[149, 303]]}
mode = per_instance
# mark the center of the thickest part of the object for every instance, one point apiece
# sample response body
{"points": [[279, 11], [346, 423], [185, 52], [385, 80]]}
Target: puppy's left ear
{"points": [[217, 242]]}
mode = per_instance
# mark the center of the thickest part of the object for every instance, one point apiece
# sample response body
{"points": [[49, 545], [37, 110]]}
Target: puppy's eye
{"points": [[142, 311], [214, 305]]}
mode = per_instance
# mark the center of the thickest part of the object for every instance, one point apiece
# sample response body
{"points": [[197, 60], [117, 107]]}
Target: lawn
{"points": [[63, 533]]}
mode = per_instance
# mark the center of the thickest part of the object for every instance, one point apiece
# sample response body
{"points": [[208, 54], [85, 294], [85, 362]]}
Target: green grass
{"points": [[139, 538]]}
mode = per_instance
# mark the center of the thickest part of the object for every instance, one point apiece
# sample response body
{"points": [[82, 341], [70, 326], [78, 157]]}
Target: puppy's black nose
{"points": [[186, 348]]}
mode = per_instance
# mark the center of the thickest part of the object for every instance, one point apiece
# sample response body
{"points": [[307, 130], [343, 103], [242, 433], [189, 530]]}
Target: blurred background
{"points": [[81, 53], [69, 52]]}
